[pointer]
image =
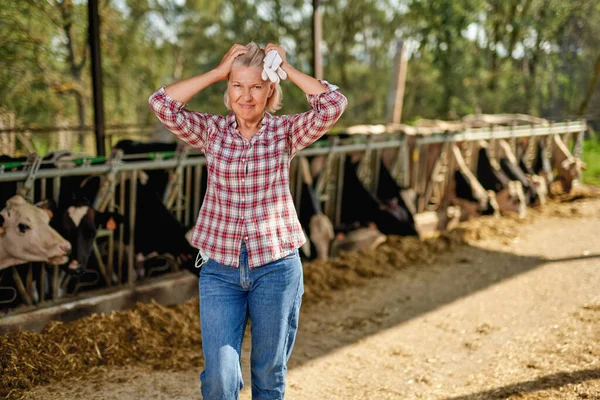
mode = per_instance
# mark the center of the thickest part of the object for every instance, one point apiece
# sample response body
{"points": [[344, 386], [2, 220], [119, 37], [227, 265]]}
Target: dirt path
{"points": [[500, 319]]}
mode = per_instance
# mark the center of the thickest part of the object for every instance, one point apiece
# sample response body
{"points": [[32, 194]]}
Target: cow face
{"points": [[541, 188], [27, 236], [79, 225], [569, 173], [321, 234], [359, 239], [512, 199]]}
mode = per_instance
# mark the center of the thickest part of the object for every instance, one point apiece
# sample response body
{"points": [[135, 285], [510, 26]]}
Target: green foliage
{"points": [[521, 56], [591, 156]]}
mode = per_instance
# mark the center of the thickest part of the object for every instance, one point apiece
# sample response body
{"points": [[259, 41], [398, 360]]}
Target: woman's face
{"points": [[248, 93]]}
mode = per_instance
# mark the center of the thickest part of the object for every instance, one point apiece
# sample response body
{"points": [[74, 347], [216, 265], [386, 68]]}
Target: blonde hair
{"points": [[254, 58]]}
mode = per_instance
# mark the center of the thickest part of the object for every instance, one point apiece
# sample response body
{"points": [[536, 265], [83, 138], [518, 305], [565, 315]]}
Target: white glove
{"points": [[271, 69]]}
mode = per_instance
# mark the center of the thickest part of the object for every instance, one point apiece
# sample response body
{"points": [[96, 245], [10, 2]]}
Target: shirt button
{"points": [[242, 179], [246, 238], [243, 160]]}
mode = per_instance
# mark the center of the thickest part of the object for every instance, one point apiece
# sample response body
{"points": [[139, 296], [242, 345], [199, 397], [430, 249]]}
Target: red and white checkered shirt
{"points": [[248, 195]]}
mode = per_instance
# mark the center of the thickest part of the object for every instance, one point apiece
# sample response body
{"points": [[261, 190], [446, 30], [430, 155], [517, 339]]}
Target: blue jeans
{"points": [[270, 296]]}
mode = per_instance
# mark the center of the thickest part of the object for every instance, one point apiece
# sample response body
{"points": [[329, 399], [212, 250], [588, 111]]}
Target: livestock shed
{"points": [[136, 206]]}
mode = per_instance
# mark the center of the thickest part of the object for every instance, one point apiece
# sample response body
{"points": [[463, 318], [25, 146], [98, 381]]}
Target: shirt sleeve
{"points": [[306, 128], [194, 128]]}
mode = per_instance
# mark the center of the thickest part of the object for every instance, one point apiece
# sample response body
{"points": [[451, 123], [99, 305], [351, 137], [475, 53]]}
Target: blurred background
{"points": [[537, 57]]}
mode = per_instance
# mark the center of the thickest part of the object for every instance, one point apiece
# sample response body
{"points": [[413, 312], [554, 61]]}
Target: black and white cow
{"points": [[361, 207], [534, 187], [509, 194], [568, 167], [542, 165], [467, 193]]}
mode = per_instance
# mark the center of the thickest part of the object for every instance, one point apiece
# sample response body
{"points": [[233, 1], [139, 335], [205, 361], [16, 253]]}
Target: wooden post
{"points": [[317, 37], [396, 95]]}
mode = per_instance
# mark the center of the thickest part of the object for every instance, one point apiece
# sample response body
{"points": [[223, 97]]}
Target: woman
{"points": [[247, 226]]}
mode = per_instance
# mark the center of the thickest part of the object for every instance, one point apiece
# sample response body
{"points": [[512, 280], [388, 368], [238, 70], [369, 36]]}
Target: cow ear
{"points": [[48, 206]]}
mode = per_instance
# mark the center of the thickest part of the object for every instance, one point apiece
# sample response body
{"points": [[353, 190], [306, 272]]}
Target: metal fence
{"points": [[420, 162]]}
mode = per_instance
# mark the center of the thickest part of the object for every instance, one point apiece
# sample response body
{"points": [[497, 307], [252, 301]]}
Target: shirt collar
{"points": [[265, 122]]}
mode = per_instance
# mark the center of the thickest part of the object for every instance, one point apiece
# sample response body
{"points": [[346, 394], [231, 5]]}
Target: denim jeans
{"points": [[270, 296]]}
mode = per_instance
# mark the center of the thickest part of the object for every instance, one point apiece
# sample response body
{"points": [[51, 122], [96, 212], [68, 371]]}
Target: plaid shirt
{"points": [[248, 196]]}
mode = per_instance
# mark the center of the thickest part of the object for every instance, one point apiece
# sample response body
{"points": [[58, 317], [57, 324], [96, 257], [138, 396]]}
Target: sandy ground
{"points": [[497, 319]]}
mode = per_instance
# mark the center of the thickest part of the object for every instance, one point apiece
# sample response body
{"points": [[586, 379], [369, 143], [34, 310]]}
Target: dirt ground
{"points": [[513, 314]]}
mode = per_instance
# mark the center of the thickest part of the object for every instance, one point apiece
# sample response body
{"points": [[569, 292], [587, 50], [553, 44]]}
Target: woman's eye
{"points": [[258, 87]]}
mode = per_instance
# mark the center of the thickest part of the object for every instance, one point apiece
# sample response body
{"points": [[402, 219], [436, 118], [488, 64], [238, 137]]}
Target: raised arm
{"points": [[168, 102], [326, 101]]}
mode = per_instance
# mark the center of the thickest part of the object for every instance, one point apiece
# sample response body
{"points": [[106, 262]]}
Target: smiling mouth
{"points": [[247, 106]]}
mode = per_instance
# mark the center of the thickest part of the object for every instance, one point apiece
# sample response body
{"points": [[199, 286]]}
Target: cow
{"points": [[79, 223], [357, 239], [466, 192], [509, 194], [541, 164], [150, 213], [399, 201], [540, 182], [323, 238], [72, 217], [568, 168], [360, 206], [26, 236], [75, 217], [317, 226], [533, 187]]}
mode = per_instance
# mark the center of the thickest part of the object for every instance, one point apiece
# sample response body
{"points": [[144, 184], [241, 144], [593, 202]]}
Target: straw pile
{"points": [[163, 337]]}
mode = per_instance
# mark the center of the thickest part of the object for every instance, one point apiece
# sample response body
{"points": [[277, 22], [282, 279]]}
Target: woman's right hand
{"points": [[225, 66]]}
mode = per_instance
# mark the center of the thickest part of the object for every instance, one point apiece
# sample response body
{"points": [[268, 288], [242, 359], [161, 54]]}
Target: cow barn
{"points": [[352, 192]]}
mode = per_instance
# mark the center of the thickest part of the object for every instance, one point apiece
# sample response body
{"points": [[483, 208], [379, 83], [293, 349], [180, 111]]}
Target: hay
{"points": [[163, 337], [168, 338]]}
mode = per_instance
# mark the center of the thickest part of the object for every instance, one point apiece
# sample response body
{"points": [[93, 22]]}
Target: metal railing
{"points": [[421, 163]]}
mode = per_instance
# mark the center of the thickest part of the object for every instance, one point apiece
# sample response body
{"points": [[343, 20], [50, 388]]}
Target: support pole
{"points": [[94, 42]]}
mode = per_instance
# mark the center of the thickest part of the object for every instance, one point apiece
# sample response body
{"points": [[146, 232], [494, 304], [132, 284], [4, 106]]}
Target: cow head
{"points": [[321, 234], [512, 199], [358, 239], [79, 224], [569, 173], [541, 188], [25, 235]]}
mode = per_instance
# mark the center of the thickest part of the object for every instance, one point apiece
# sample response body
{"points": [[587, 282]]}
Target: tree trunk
{"points": [[66, 10], [591, 88]]}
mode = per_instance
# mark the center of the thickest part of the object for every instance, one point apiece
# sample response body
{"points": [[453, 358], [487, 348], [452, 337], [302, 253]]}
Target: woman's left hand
{"points": [[281, 53]]}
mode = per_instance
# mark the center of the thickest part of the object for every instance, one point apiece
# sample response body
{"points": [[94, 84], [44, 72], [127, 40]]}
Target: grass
{"points": [[591, 156]]}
